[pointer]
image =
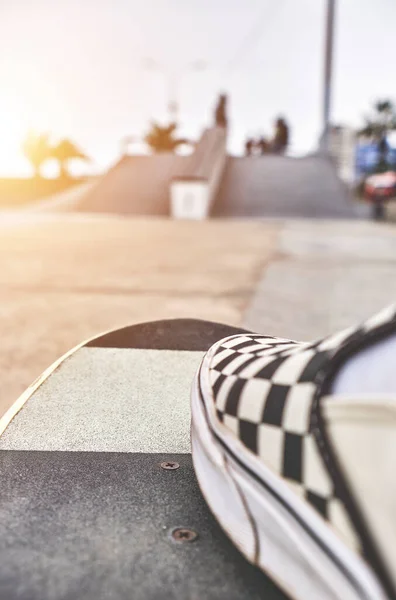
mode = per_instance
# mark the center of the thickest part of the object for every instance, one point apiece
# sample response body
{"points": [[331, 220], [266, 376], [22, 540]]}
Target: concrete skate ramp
{"points": [[275, 186], [136, 185]]}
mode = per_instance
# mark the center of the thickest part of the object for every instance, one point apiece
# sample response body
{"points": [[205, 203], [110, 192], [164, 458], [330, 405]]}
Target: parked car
{"points": [[380, 189]]}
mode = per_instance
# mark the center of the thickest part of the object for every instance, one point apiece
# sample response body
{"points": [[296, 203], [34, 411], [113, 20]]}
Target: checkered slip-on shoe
{"points": [[301, 480]]}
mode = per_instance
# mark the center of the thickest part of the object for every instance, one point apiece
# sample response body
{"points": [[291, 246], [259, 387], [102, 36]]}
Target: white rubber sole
{"points": [[272, 527]]}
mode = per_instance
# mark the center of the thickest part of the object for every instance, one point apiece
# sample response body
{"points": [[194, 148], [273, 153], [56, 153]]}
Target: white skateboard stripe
{"points": [[110, 400]]}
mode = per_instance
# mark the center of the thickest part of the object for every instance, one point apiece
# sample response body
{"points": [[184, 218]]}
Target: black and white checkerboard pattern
{"points": [[264, 388]]}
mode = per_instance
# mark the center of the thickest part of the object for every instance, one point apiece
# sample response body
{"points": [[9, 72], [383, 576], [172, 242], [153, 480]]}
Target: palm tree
{"points": [[382, 120], [37, 149], [378, 125], [65, 151], [162, 139]]}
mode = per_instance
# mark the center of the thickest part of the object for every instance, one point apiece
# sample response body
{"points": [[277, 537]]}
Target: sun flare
{"points": [[16, 120], [12, 131]]}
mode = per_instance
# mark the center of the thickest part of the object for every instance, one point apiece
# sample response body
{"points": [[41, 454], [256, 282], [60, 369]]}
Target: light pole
{"points": [[328, 72], [173, 80]]}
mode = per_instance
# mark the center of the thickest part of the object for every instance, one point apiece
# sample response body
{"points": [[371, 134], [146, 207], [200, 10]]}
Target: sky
{"points": [[79, 68]]}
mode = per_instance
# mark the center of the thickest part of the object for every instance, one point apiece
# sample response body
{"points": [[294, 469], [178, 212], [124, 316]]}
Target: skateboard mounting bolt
{"points": [[182, 534], [169, 465]]}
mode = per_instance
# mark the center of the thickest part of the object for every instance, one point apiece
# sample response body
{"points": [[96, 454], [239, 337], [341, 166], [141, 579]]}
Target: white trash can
{"points": [[190, 199]]}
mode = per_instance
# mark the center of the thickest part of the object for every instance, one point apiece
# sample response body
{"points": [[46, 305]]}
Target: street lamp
{"points": [[174, 78], [328, 72]]}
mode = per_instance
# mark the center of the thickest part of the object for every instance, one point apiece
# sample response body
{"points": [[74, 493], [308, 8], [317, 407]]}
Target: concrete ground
{"points": [[324, 276], [66, 278]]}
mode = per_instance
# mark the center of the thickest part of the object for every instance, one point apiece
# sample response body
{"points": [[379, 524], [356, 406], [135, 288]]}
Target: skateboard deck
{"points": [[98, 496]]}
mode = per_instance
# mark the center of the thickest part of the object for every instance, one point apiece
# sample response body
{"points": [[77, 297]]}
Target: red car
{"points": [[380, 188]]}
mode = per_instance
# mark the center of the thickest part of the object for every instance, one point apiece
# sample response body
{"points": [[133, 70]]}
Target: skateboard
{"points": [[98, 497]]}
